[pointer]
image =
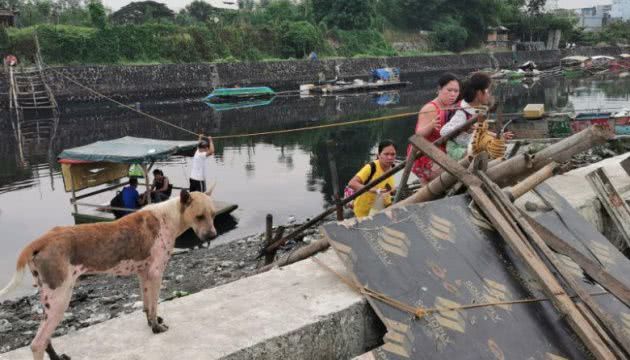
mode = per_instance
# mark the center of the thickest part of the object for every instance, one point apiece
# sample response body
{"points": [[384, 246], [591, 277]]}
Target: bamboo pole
{"points": [[334, 178], [534, 180], [365, 189], [515, 239], [509, 171], [615, 334], [268, 238]]}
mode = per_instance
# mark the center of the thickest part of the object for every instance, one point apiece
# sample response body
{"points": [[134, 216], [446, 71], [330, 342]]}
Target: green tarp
{"points": [[131, 150]]}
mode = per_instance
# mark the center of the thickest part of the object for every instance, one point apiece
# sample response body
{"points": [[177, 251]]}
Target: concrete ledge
{"points": [[300, 312]]}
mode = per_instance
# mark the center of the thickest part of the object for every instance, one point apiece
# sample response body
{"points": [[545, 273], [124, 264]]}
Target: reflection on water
{"points": [[285, 175]]}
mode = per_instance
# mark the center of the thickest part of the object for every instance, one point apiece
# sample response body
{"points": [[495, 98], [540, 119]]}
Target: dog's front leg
{"points": [[152, 283]]}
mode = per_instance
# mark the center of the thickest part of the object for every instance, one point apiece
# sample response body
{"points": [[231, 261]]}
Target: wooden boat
{"points": [[107, 162], [622, 122], [574, 66], [244, 104], [239, 94], [583, 120], [354, 86], [383, 78]]}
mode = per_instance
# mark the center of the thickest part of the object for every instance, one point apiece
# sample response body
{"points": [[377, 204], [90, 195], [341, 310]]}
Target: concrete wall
{"points": [[195, 80]]}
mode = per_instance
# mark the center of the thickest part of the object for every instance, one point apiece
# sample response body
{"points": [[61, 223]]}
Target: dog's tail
{"points": [[19, 271]]}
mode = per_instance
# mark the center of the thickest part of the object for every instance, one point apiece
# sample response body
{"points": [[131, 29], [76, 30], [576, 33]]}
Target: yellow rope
{"points": [[119, 103], [417, 311], [273, 132]]}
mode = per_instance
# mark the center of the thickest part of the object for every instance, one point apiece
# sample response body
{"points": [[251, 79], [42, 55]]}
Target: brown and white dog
{"points": [[139, 243]]}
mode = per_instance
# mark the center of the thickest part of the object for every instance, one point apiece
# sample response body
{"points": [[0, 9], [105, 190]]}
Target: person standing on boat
{"points": [[205, 148], [373, 170], [432, 117]]}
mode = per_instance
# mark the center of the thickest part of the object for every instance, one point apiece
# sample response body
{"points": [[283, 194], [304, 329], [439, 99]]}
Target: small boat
{"points": [[382, 78], [601, 62], [583, 120], [622, 122], [107, 163], [622, 64], [239, 94], [574, 66], [244, 104]]}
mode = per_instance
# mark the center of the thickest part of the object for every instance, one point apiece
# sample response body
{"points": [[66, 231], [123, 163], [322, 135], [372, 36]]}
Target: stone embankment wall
{"points": [[194, 80]]}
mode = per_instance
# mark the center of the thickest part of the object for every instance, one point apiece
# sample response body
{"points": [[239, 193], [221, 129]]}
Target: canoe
{"points": [[236, 94], [248, 103]]}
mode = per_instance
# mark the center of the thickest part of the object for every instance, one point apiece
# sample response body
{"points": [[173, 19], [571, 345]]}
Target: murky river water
{"points": [[285, 175]]}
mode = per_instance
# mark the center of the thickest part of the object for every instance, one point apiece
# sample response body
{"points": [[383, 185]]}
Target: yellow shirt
{"points": [[363, 203]]}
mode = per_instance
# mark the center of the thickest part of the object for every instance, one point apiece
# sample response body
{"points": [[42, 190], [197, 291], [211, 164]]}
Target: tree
{"points": [[535, 7], [97, 14], [201, 10], [141, 12], [246, 5], [449, 35], [346, 15], [300, 38]]}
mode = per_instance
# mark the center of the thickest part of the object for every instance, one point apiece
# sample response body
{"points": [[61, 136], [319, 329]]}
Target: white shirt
{"points": [[456, 121], [199, 166]]}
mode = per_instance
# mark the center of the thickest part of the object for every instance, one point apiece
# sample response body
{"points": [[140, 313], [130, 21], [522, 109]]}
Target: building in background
{"points": [[594, 18], [224, 4], [620, 10]]}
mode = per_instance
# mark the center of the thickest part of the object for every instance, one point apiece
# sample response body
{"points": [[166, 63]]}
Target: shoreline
{"points": [[139, 82]]}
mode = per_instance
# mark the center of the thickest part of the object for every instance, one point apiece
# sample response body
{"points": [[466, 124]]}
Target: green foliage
{"points": [[4, 40], [201, 11], [615, 32], [141, 12], [97, 14], [362, 42], [449, 35], [300, 38], [345, 15]]}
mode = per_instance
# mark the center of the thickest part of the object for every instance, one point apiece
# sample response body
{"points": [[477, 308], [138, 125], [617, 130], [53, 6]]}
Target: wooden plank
{"points": [[592, 268], [614, 204], [615, 333], [515, 239], [509, 171], [625, 164]]}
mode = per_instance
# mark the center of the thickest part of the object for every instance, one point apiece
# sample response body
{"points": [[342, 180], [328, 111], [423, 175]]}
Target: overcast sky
{"points": [[178, 4], [573, 4]]}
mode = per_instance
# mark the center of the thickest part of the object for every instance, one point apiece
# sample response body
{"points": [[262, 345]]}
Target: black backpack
{"points": [[117, 202]]}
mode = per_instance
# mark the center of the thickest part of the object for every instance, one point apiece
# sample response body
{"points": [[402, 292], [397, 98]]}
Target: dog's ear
{"points": [[209, 192], [184, 198]]}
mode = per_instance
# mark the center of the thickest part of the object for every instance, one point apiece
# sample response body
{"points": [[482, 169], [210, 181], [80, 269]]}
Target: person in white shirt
{"points": [[205, 148], [476, 92], [456, 148]]}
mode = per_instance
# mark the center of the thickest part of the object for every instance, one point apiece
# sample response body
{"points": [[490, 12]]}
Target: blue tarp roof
{"points": [[127, 149]]}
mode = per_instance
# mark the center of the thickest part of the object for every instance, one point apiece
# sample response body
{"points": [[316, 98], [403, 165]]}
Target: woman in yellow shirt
{"points": [[382, 164]]}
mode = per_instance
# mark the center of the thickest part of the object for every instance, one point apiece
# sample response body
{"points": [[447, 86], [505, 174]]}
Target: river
{"points": [[286, 175]]}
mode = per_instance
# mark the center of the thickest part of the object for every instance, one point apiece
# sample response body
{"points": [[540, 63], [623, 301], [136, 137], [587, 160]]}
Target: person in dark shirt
{"points": [[161, 188]]}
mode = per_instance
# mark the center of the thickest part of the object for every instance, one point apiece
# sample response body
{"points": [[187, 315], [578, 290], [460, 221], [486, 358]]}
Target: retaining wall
{"points": [[137, 82]]}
